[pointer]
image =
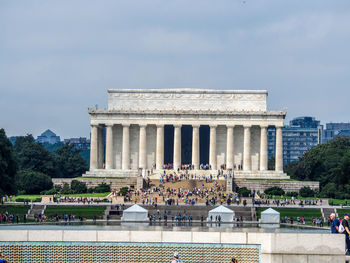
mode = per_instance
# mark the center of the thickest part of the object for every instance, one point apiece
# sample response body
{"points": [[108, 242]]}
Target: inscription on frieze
{"points": [[187, 99]]}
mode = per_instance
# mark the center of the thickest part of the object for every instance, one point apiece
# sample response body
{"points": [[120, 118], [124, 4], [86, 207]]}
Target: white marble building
{"points": [[135, 120]]}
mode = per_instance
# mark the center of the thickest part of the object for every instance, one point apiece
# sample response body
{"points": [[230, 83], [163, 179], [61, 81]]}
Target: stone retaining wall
{"points": [[90, 183], [287, 186]]}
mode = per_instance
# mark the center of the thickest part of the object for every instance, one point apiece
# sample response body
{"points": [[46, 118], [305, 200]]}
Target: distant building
{"points": [[13, 139], [48, 137], [302, 134], [81, 143], [335, 130]]}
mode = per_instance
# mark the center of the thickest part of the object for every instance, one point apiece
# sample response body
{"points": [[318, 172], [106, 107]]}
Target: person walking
{"points": [[335, 224], [176, 258], [345, 225], [233, 260]]}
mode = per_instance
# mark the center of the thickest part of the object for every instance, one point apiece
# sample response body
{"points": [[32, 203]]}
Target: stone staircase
{"points": [[36, 210], [326, 213]]}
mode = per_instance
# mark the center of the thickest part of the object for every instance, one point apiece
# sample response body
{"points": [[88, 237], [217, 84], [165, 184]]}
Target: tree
{"points": [[32, 182], [329, 164], [8, 165], [33, 156], [69, 162]]}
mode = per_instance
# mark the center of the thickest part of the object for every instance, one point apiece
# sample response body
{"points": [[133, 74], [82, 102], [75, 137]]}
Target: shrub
{"points": [[295, 194], [102, 188], [306, 192], [274, 191], [78, 187], [123, 191], [244, 191]]}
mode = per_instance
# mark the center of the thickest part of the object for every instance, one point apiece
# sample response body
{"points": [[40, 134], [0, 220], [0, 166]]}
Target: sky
{"points": [[58, 58]]}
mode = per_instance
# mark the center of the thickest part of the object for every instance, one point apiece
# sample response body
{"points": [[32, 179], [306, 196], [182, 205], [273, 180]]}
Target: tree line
{"points": [[328, 164], [27, 166]]}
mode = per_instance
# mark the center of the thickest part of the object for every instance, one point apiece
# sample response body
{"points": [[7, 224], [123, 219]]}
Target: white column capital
{"points": [[109, 125], [230, 126], [213, 126], [264, 126], [126, 124], [246, 126], [160, 125], [177, 125], [279, 126], [196, 125]]}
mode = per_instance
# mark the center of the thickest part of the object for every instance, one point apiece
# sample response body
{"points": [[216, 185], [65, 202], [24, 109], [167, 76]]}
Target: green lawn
{"points": [[19, 210], [84, 211], [342, 211], [307, 213], [102, 195], [91, 177], [30, 197], [289, 197], [337, 201]]}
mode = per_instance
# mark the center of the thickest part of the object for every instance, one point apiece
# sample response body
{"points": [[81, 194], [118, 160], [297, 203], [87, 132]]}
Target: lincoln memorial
{"points": [[128, 138]]}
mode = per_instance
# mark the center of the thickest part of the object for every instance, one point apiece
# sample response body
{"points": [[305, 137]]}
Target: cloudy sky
{"points": [[57, 58]]}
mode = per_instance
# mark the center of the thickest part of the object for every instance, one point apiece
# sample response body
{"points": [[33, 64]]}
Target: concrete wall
{"points": [[275, 247], [287, 186], [90, 183]]}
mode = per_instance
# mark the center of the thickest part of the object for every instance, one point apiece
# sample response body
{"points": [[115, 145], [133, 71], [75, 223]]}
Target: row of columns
{"points": [[96, 144]]}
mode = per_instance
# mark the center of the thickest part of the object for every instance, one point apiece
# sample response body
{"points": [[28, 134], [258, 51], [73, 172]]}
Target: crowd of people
{"points": [[6, 217]]}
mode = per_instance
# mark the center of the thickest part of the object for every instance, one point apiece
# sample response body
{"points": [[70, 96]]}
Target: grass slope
{"points": [[307, 213], [84, 211]]}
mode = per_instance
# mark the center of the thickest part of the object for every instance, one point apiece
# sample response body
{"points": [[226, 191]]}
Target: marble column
{"points": [[246, 150], [177, 147], [126, 147], [229, 147], [263, 147], [100, 156], [143, 148], [93, 148], [279, 150], [195, 146], [160, 147], [109, 147], [212, 148]]}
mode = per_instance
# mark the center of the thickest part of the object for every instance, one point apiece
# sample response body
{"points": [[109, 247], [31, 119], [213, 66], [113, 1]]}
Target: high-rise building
{"points": [[299, 136], [48, 136], [335, 129]]}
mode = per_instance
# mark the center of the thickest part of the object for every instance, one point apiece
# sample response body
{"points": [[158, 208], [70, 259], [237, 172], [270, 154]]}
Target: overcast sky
{"points": [[57, 58]]}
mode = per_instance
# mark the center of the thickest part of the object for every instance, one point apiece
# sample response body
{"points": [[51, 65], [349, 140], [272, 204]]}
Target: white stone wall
{"points": [[238, 145], [134, 146], [151, 133], [221, 145], [117, 146], [275, 247]]}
